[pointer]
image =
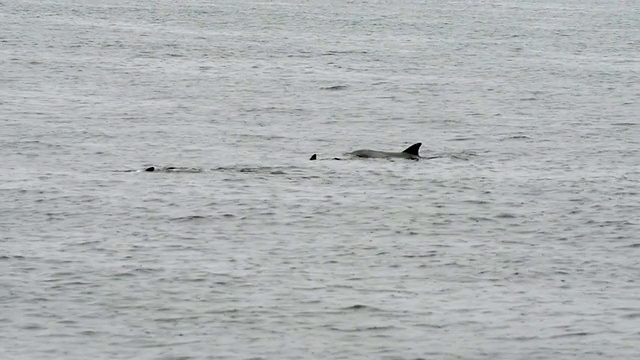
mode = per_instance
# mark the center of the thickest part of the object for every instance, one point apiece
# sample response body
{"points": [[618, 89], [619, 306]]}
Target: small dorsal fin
{"points": [[413, 149], [313, 157]]}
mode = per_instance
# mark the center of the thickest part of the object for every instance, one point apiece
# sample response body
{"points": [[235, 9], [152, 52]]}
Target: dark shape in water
{"points": [[411, 153]]}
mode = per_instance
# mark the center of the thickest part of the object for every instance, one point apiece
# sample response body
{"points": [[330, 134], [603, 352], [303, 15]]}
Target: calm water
{"points": [[519, 242]]}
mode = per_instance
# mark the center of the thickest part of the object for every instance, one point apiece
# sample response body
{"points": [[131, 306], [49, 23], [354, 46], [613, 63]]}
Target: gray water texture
{"points": [[520, 241]]}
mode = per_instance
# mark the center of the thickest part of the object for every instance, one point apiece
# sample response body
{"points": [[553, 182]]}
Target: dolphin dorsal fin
{"points": [[413, 149], [313, 157]]}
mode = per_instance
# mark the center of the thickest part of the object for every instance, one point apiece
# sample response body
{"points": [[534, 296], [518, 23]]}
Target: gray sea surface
{"points": [[520, 241]]}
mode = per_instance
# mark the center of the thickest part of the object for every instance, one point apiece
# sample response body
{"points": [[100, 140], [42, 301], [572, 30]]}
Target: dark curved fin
{"points": [[413, 149], [150, 169], [313, 157]]}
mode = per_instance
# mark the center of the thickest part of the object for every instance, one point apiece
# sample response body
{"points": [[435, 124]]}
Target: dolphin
{"points": [[172, 169], [410, 153]]}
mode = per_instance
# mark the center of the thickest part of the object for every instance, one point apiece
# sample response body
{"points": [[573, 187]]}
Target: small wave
{"points": [[337, 52], [335, 87], [480, 218], [476, 202], [359, 307], [516, 137], [505, 216], [429, 254], [364, 328], [15, 257], [631, 316], [258, 169], [569, 335], [188, 218]]}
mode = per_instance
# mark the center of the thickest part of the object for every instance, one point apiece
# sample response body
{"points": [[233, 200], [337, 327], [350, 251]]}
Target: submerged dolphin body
{"points": [[172, 169], [411, 153]]}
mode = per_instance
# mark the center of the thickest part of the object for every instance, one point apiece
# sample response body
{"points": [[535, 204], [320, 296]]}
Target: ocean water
{"points": [[520, 241]]}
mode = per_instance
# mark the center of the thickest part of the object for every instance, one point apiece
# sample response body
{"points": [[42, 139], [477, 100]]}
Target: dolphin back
{"points": [[412, 152]]}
